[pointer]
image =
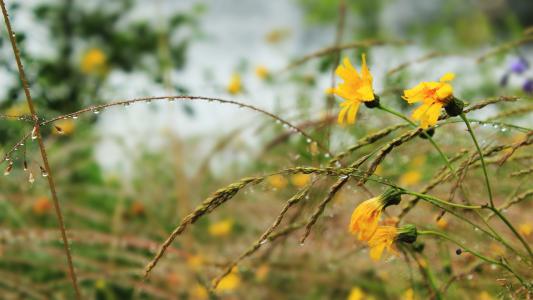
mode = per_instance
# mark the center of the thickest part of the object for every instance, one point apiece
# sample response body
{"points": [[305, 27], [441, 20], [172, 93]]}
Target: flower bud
{"points": [[374, 103], [428, 132], [392, 196], [407, 234], [454, 107]]}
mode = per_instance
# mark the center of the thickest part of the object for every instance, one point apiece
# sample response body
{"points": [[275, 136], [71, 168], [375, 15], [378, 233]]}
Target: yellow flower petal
{"points": [[447, 77]]}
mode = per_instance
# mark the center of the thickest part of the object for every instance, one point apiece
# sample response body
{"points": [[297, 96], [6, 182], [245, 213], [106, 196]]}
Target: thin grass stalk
{"points": [[50, 177]]}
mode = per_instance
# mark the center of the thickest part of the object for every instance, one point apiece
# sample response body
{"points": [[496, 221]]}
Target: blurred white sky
{"points": [[235, 30]]}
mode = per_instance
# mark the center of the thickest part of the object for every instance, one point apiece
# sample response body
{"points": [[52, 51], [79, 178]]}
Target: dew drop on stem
{"points": [[34, 133], [43, 172], [8, 169]]}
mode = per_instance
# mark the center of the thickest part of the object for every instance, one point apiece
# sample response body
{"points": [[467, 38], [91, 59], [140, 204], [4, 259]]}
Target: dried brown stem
{"points": [[334, 49], [97, 108], [42, 149]]}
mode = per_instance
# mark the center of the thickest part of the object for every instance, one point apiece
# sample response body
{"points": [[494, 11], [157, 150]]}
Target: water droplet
{"points": [[34, 133], [96, 111], [75, 117], [59, 130], [8, 169], [263, 242], [504, 129], [43, 172], [326, 155]]}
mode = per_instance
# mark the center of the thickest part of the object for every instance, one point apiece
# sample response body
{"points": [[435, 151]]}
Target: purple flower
{"points": [[518, 65], [528, 86]]}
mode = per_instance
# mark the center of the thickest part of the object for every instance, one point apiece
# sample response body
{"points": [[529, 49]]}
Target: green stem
{"points": [[483, 166], [477, 254], [432, 199], [515, 232], [429, 138]]}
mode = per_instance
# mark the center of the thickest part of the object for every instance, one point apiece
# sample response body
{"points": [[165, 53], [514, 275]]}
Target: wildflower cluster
{"points": [[365, 222]]}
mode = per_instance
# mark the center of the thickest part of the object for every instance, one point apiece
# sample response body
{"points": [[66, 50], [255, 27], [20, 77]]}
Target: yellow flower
{"points": [[410, 178], [385, 236], [195, 262], [93, 61], [379, 170], [221, 228], [442, 223], [235, 85], [354, 90], [300, 180], [409, 294], [262, 272], [525, 229], [382, 239], [64, 126], [137, 208], [484, 296], [434, 95], [277, 181], [41, 206], [229, 283], [18, 109], [262, 72], [356, 294], [366, 215], [198, 292]]}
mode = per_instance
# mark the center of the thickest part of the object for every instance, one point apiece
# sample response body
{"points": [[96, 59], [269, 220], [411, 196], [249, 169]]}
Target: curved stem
{"points": [[432, 199], [429, 138], [483, 166], [477, 254]]}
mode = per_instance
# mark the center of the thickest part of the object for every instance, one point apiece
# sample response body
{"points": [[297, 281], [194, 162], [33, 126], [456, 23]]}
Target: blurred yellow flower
{"points": [[277, 181], [262, 72], [262, 272], [198, 292], [277, 35], [442, 223], [355, 89], [410, 178], [229, 283], [356, 294], [221, 228], [313, 148], [93, 61], [235, 85], [496, 249], [379, 170], [137, 208], [41, 206], [100, 284], [525, 229], [418, 161], [195, 262], [64, 126], [484, 296], [300, 180], [409, 294], [366, 215], [434, 95], [18, 109], [382, 239]]}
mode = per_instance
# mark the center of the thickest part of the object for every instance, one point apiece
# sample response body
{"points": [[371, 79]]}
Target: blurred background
{"points": [[127, 175]]}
